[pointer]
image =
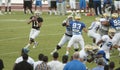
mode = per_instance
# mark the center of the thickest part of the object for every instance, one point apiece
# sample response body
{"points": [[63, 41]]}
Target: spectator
{"points": [[100, 65], [75, 64], [97, 5], [73, 6], [23, 65], [55, 64], [53, 7], [1, 64], [82, 5], [27, 4], [0, 7], [19, 59], [106, 67], [91, 6], [111, 65], [117, 6], [38, 5], [60, 10], [64, 61], [40, 57], [7, 6], [43, 65]]}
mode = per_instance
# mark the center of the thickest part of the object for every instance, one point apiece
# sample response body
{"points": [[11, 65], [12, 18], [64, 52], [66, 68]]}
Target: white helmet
{"points": [[111, 32], [37, 13], [115, 15]]}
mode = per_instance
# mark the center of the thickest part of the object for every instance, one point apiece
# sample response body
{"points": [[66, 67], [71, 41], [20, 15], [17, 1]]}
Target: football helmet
{"points": [[37, 13], [111, 32], [115, 15], [77, 17]]}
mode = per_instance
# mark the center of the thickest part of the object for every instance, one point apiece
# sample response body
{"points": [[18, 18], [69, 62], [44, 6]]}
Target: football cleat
{"points": [[36, 43]]}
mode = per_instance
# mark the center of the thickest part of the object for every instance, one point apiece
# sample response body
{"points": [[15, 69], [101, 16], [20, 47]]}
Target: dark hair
{"points": [[64, 58], [106, 67], [55, 55], [45, 58], [40, 57], [25, 56], [112, 64]]}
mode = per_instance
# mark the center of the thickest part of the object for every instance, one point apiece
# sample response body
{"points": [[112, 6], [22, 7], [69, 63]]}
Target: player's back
{"points": [[77, 27]]}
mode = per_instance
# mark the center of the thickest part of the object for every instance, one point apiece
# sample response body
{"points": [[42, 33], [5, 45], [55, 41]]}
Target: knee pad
{"points": [[76, 49], [58, 47], [32, 40]]}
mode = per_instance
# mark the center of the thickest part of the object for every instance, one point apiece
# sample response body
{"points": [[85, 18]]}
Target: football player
{"points": [[67, 36], [36, 25], [77, 28], [107, 42], [92, 30], [115, 23]]}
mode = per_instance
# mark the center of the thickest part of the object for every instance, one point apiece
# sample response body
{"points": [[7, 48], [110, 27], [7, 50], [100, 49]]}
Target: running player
{"points": [[36, 25]]}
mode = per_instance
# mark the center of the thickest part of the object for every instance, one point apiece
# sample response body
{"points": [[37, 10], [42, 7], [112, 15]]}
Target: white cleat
{"points": [[53, 52], [35, 45]]}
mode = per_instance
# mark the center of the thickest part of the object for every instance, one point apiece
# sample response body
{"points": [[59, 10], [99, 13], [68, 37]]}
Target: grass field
{"points": [[14, 32]]}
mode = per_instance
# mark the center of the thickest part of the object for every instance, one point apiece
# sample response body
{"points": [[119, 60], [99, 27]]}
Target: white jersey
{"points": [[103, 30], [19, 59], [92, 32], [36, 63], [94, 26], [55, 65], [106, 45]]}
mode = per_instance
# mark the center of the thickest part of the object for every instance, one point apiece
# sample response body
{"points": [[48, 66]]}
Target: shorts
{"points": [[53, 4], [38, 3], [28, 4]]}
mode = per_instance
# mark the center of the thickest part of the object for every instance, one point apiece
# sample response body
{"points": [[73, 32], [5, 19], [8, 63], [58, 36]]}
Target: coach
{"points": [[97, 5]]}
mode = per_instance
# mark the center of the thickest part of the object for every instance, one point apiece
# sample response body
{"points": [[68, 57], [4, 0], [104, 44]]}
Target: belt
{"points": [[68, 35]]}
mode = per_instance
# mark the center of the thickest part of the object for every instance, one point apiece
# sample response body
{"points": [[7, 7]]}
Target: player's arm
{"points": [[85, 30], [99, 42]]}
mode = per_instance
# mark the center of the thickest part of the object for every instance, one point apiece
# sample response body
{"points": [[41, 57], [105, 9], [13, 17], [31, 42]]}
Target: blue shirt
{"points": [[77, 27], [74, 65], [115, 23]]}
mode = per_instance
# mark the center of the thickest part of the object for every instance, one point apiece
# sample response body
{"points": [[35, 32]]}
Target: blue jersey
{"points": [[77, 27], [115, 23], [69, 28]]}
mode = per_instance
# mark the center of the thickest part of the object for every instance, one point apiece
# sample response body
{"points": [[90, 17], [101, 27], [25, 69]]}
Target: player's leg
{"points": [[76, 47], [36, 33], [30, 38], [70, 43], [63, 40], [81, 42]]}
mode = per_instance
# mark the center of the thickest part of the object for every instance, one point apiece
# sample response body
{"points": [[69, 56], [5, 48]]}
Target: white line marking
{"points": [[9, 53], [26, 37]]}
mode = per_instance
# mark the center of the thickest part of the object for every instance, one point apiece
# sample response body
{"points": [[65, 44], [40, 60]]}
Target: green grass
{"points": [[14, 36]]}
